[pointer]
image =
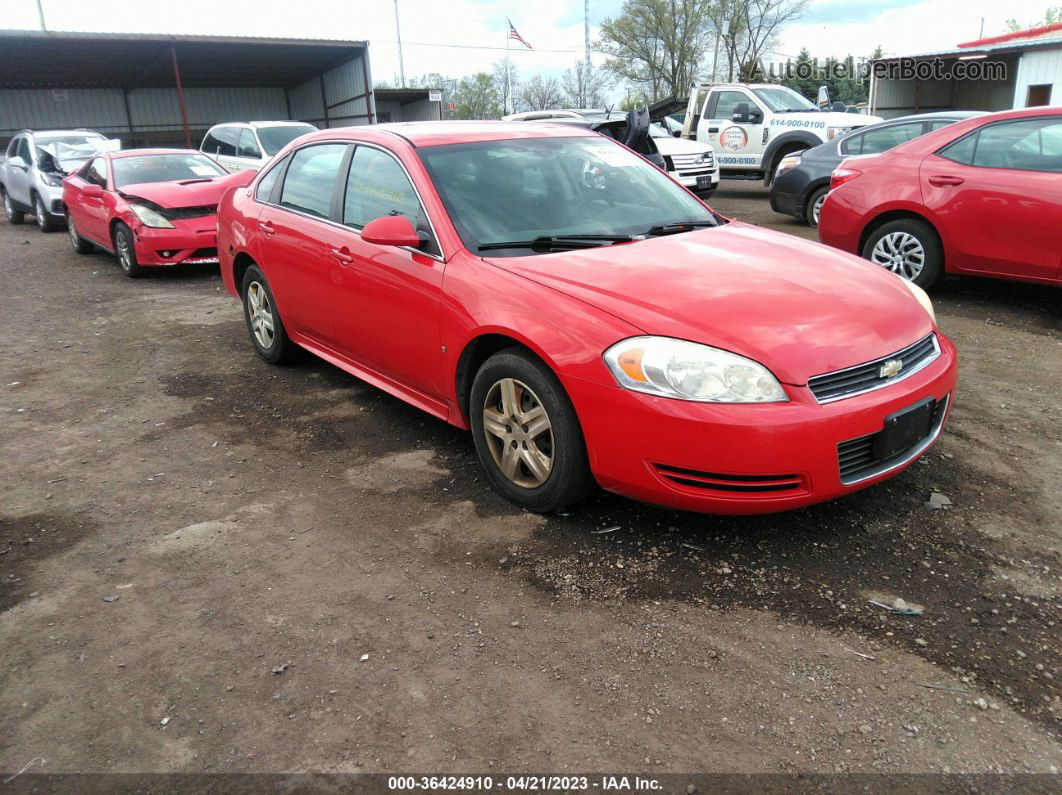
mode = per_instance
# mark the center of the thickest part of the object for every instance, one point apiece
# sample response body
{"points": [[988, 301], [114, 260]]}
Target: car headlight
{"points": [[786, 163], [922, 297], [690, 371], [150, 217], [55, 180], [833, 132]]}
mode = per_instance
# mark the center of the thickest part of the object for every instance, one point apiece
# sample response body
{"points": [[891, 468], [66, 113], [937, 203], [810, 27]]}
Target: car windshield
{"points": [[528, 188], [276, 138], [781, 99], [163, 168]]}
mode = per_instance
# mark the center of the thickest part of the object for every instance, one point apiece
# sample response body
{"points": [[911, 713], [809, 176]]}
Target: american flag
{"points": [[513, 34]]}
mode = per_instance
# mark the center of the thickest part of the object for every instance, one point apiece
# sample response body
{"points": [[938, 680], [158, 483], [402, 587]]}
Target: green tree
{"points": [[477, 97], [1051, 17]]}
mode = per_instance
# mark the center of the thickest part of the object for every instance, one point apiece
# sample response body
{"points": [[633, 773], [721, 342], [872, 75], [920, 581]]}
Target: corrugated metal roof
{"points": [[63, 59], [999, 49]]}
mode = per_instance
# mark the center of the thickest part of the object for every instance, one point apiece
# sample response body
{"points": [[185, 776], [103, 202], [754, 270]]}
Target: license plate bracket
{"points": [[703, 183], [904, 428]]}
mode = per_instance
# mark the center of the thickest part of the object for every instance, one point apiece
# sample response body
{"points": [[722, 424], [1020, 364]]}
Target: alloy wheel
{"points": [[900, 252], [261, 314], [817, 207], [9, 209], [518, 432], [75, 239], [125, 256], [42, 216]]}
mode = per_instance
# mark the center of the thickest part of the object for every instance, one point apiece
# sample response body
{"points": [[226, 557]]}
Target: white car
{"points": [[247, 146], [32, 171], [691, 163]]}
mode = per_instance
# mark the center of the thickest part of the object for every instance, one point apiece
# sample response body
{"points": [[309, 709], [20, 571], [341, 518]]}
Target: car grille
{"points": [[713, 481], [178, 213], [856, 459], [864, 377], [687, 165]]}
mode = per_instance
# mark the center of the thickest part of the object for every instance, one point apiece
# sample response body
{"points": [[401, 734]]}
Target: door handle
{"points": [[343, 255], [713, 129], [267, 227], [945, 179]]}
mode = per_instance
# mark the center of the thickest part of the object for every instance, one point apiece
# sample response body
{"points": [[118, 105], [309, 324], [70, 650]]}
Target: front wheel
{"points": [[814, 205], [44, 221], [264, 325], [526, 433], [909, 248], [123, 247], [81, 246], [14, 217]]}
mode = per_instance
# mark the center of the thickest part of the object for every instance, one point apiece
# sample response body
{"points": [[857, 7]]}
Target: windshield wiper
{"points": [[678, 226], [546, 242]]}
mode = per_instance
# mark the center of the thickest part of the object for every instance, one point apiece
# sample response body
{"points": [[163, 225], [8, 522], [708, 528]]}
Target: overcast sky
{"points": [[553, 27]]}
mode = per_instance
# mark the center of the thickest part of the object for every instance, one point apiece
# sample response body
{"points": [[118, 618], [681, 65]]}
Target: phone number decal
{"points": [[783, 122]]}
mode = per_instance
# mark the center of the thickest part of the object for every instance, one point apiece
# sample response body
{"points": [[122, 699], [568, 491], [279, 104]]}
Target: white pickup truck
{"points": [[753, 126]]}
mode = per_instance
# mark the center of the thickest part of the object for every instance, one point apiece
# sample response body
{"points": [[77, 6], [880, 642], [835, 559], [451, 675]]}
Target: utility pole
{"points": [[586, 53], [401, 63], [40, 14]]}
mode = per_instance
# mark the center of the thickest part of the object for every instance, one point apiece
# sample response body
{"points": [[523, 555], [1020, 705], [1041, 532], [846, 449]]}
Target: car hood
{"points": [[680, 146], [188, 193], [798, 307]]}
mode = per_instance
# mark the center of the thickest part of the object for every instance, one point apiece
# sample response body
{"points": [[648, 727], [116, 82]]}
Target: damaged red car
{"points": [[149, 207]]}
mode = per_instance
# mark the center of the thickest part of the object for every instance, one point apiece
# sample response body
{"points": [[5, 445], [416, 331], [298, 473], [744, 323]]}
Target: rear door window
{"points": [[311, 179], [881, 140], [1023, 145]]}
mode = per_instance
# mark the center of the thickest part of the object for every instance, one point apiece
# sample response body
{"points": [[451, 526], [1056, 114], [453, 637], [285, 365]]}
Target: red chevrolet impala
{"points": [[150, 207], [981, 197], [586, 317]]}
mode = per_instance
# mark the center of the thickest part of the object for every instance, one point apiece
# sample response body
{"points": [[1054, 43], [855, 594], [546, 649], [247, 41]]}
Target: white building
{"points": [[1030, 60]]}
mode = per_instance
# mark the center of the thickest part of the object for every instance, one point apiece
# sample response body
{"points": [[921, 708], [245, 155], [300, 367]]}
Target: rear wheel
{"points": [[44, 221], [264, 325], [909, 248], [123, 247], [814, 205], [527, 434], [81, 246], [14, 217]]}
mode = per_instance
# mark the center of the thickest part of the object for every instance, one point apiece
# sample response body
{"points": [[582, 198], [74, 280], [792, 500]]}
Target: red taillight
{"points": [[842, 175]]}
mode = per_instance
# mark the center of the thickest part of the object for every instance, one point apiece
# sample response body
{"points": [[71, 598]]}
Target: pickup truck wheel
{"points": [[81, 246], [123, 247], [44, 221], [14, 217], [814, 205]]}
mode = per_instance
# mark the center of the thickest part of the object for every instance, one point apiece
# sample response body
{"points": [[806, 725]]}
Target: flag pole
{"points": [[508, 69]]}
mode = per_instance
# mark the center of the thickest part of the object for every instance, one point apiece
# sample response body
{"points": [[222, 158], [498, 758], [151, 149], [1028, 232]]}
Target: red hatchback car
{"points": [[588, 318], [150, 207], [981, 197]]}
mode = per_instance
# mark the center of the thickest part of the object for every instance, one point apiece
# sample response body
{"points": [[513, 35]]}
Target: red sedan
{"points": [[981, 197], [586, 317], [150, 207]]}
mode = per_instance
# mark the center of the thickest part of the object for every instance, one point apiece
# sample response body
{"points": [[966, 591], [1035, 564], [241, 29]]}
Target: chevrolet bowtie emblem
{"points": [[891, 368]]}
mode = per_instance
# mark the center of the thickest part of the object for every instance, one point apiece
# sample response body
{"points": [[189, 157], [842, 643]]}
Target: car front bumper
{"points": [[192, 241], [748, 458], [690, 180]]}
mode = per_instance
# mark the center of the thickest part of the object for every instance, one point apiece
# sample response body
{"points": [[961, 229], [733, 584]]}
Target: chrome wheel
{"points": [[125, 254], [42, 216], [9, 209], [261, 314], [518, 433], [816, 207], [900, 252], [75, 239]]}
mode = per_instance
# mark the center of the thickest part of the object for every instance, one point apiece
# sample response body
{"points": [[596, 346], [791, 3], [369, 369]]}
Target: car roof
{"points": [[437, 133], [152, 152], [44, 133], [257, 124]]}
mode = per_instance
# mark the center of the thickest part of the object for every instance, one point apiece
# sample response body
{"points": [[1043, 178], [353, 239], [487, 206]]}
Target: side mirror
{"points": [[92, 190], [741, 113], [838, 106], [16, 161], [391, 230], [677, 134], [755, 116]]}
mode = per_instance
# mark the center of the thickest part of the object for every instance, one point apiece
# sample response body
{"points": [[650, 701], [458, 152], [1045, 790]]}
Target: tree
{"points": [[540, 93], [507, 83], [585, 87], [747, 30], [1051, 17], [658, 45], [429, 80], [477, 97]]}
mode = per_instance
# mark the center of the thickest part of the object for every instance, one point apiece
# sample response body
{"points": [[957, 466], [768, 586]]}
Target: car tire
{"points": [[126, 251], [527, 434], [14, 217], [909, 248], [814, 204], [44, 221], [81, 246], [264, 325]]}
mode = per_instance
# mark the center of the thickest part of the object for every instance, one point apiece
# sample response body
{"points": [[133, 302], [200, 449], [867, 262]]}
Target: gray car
{"points": [[802, 180]]}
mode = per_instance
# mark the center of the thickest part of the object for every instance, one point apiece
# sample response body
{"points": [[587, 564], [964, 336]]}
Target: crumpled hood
{"points": [[188, 193], [798, 307]]}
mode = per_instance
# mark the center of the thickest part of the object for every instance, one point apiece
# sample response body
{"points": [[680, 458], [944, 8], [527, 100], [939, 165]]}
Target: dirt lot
{"points": [[208, 564]]}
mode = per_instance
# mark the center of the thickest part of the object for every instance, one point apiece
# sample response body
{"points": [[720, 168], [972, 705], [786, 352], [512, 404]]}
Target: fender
{"points": [[791, 137]]}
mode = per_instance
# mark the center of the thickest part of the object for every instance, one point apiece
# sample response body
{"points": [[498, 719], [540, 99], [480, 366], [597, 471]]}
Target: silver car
{"points": [[31, 173], [247, 146]]}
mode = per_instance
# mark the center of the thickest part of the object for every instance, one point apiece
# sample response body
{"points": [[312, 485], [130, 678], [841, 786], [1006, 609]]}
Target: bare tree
{"points": [[585, 86], [507, 83], [540, 93], [657, 46], [748, 29]]}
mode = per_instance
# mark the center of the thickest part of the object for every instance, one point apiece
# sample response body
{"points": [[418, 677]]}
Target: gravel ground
{"points": [[208, 564]]}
